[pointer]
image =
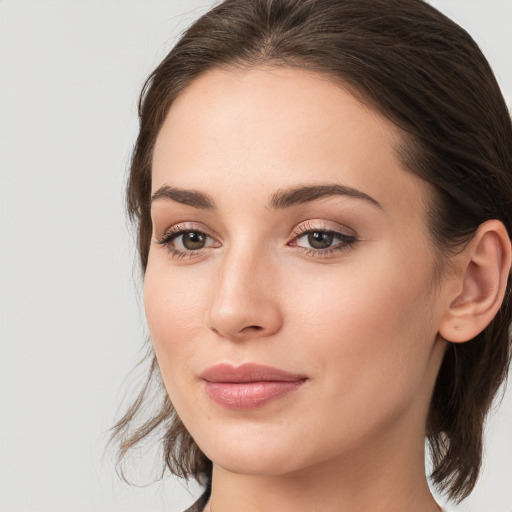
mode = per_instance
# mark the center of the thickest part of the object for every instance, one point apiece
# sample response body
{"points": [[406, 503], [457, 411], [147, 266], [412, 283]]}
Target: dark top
{"points": [[201, 501]]}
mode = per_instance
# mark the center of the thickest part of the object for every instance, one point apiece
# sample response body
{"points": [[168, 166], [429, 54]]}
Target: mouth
{"points": [[248, 386]]}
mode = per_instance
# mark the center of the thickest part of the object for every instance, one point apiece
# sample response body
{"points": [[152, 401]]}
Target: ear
{"points": [[484, 267]]}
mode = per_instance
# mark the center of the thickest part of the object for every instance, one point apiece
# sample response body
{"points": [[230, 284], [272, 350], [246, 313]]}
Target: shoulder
{"points": [[201, 502]]}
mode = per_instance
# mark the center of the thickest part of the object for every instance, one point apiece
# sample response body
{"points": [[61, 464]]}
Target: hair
{"points": [[424, 73]]}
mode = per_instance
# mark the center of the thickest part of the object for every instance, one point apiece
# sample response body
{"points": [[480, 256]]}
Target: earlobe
{"points": [[482, 281]]}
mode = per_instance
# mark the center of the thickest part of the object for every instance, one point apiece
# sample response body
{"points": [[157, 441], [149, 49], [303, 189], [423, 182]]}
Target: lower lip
{"points": [[249, 395]]}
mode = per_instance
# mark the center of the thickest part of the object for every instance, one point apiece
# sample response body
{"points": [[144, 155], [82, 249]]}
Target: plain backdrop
{"points": [[71, 324]]}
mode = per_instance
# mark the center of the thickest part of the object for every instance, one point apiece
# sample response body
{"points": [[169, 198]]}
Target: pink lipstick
{"points": [[248, 386]]}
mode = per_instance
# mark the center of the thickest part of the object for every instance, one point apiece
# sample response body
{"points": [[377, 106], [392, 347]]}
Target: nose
{"points": [[243, 301]]}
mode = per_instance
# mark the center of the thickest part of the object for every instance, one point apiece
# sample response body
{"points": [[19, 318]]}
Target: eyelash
{"points": [[168, 237], [346, 241]]}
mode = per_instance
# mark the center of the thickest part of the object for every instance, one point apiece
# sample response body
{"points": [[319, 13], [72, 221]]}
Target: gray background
{"points": [[71, 323]]}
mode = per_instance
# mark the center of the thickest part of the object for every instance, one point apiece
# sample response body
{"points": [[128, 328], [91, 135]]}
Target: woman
{"points": [[322, 190]]}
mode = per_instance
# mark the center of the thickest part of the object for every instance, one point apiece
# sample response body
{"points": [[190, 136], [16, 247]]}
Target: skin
{"points": [[362, 323]]}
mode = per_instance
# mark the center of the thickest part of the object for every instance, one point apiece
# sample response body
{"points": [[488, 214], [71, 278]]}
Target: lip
{"points": [[248, 386], [248, 372]]}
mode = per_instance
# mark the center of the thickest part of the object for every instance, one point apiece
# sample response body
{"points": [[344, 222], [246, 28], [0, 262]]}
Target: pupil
{"points": [[193, 240], [320, 240]]}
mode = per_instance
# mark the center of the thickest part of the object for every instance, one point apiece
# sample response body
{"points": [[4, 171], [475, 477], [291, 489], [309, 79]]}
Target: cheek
{"points": [[374, 295], [174, 307], [367, 329]]}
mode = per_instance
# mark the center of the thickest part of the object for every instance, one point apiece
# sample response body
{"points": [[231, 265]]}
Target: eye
{"points": [[191, 240], [320, 241], [183, 242]]}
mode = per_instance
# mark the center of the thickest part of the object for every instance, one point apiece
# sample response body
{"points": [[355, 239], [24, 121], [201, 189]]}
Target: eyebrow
{"points": [[305, 194], [183, 196], [279, 200]]}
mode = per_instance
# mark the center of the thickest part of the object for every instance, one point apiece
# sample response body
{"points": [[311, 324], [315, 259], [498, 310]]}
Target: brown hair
{"points": [[424, 73]]}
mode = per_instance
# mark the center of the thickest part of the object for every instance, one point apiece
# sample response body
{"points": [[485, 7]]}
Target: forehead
{"points": [[276, 127]]}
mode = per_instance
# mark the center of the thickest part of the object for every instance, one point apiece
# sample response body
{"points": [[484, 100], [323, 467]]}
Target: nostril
{"points": [[254, 327]]}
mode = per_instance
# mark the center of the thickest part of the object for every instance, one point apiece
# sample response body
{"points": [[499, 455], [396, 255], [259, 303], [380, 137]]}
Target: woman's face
{"points": [[287, 234]]}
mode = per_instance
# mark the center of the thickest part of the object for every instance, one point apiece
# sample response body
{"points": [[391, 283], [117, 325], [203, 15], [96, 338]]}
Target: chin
{"points": [[255, 463], [250, 452]]}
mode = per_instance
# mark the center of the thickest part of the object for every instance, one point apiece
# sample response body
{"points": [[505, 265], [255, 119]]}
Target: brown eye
{"points": [[193, 240], [186, 241], [323, 242], [320, 239]]}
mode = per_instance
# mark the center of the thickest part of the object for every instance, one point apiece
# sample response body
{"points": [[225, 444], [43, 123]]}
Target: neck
{"points": [[385, 478]]}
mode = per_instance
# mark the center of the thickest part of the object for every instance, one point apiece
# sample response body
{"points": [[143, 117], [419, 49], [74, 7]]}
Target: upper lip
{"points": [[248, 372]]}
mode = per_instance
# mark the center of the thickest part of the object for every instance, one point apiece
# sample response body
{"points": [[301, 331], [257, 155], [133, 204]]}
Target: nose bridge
{"points": [[241, 302]]}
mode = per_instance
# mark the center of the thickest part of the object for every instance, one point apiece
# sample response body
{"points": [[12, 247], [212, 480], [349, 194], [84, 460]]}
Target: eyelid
{"points": [[347, 238], [185, 226], [322, 225], [167, 237]]}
